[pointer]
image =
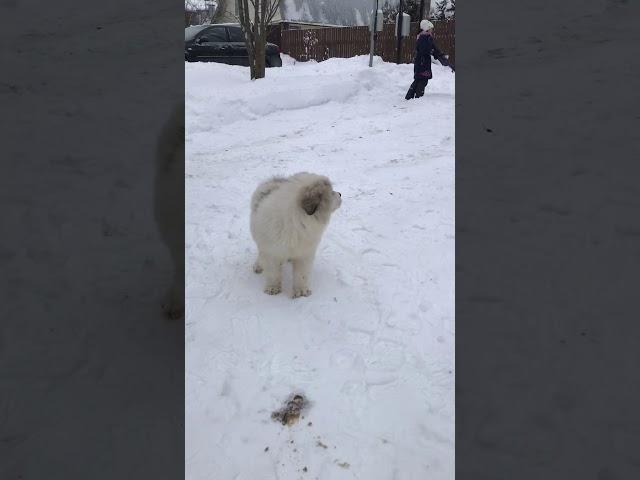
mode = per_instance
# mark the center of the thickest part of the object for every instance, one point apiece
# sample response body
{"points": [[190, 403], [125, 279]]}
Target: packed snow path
{"points": [[373, 347]]}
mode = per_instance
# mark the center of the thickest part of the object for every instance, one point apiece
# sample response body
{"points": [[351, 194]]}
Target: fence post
{"points": [[399, 31], [374, 28]]}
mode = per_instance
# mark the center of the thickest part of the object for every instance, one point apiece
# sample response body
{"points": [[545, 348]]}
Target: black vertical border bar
{"points": [[91, 373], [548, 240]]}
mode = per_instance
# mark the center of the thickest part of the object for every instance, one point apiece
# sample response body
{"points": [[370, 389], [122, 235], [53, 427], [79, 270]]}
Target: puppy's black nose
{"points": [[339, 194]]}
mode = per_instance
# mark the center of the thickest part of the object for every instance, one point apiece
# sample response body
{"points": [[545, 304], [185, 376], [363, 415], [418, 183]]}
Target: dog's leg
{"points": [[301, 271], [273, 275], [257, 266]]}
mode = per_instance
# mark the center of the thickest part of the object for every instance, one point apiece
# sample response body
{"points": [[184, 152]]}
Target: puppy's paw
{"points": [[272, 289], [301, 292], [257, 268]]}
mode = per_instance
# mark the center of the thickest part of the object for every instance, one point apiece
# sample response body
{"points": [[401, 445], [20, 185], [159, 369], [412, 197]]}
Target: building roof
{"points": [[335, 12], [316, 12]]}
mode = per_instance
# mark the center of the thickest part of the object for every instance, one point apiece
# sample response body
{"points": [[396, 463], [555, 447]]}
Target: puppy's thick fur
{"points": [[169, 204], [288, 217]]}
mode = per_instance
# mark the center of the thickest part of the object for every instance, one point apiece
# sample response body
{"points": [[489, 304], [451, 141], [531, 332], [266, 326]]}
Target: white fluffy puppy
{"points": [[288, 218]]}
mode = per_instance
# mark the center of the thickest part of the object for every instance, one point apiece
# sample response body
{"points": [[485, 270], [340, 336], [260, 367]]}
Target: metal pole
{"points": [[399, 31], [373, 29], [421, 9], [375, 33]]}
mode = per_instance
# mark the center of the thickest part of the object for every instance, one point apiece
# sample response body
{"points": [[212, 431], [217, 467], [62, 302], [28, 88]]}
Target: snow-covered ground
{"points": [[373, 347]]}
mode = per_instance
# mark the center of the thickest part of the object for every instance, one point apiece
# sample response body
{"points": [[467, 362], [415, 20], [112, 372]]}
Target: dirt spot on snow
{"points": [[290, 411]]}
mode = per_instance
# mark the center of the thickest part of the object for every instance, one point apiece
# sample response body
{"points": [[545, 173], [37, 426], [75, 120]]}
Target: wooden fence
{"points": [[344, 42]]}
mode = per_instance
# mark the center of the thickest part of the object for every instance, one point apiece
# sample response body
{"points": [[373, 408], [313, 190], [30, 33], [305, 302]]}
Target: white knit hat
{"points": [[426, 25]]}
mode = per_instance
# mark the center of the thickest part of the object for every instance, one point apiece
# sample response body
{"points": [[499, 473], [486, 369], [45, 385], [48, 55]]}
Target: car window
{"points": [[191, 32], [216, 34], [235, 34]]}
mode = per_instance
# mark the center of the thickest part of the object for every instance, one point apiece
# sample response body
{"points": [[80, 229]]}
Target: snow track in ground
{"points": [[373, 347]]}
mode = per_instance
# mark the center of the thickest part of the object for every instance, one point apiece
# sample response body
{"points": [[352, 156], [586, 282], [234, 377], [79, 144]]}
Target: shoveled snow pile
{"points": [[367, 361]]}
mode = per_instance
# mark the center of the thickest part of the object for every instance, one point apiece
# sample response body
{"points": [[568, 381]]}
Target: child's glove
{"points": [[444, 60], [446, 63]]}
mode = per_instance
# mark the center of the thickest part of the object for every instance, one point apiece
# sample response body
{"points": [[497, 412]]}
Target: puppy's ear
{"points": [[312, 196], [310, 202]]}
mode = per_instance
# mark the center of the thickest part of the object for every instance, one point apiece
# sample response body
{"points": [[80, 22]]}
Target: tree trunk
{"points": [[260, 56], [252, 68], [255, 32]]}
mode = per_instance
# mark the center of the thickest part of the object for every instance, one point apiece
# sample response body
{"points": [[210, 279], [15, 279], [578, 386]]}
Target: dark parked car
{"points": [[222, 43]]}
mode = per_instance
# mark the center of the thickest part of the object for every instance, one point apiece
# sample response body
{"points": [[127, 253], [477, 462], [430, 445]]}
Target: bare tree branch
{"points": [[262, 16], [274, 7], [256, 17]]}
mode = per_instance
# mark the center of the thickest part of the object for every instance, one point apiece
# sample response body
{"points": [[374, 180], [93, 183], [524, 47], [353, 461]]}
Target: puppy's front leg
{"points": [[301, 271], [257, 266], [273, 275]]}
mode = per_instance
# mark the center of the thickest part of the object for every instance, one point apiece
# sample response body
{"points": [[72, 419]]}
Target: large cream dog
{"points": [[288, 217]]}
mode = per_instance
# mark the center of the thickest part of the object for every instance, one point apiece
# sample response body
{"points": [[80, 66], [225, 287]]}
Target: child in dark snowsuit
{"points": [[425, 47]]}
